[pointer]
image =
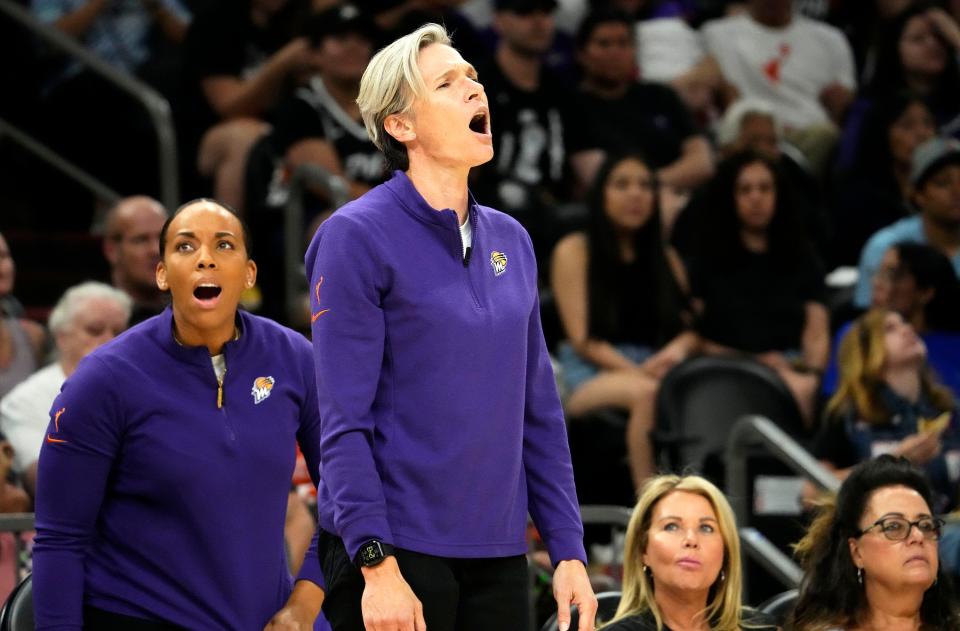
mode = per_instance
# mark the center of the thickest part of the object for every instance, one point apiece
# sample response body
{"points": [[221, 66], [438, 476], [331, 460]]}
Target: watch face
{"points": [[371, 553]]}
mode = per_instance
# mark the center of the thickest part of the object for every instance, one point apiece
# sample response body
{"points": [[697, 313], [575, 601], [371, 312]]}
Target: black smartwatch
{"points": [[372, 553]]}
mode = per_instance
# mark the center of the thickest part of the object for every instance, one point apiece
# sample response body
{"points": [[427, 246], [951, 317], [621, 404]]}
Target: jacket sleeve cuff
{"points": [[363, 529], [311, 570], [565, 545]]}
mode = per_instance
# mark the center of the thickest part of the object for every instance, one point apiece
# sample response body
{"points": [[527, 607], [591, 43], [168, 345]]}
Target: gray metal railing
{"points": [[748, 432], [156, 105], [48, 155], [304, 176]]}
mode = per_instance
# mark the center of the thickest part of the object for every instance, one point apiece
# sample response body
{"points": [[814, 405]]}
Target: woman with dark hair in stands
{"points": [[875, 191], [756, 283], [163, 481], [618, 302], [919, 53], [870, 556], [889, 402], [22, 341]]}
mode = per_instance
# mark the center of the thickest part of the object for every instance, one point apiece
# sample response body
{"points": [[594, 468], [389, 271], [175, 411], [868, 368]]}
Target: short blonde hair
{"points": [[723, 605], [390, 83]]}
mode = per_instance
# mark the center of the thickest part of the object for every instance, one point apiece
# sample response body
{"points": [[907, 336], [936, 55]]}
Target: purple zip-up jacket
{"points": [[153, 502], [442, 426]]}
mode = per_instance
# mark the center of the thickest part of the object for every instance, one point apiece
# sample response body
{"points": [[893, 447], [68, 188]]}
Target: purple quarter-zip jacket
{"points": [[442, 426], [154, 502]]}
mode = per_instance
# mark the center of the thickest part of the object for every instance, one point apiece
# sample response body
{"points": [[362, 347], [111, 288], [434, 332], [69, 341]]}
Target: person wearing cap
{"points": [[442, 427], [935, 179], [165, 468]]}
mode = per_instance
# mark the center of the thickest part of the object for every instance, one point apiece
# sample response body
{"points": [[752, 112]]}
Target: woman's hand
{"points": [[388, 603], [920, 448], [571, 586], [945, 26], [301, 610]]}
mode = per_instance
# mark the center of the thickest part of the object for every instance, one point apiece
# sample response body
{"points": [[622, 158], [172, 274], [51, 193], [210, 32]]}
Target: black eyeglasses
{"points": [[898, 528]]}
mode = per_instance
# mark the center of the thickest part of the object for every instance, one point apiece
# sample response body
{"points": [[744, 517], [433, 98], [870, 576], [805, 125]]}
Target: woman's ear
{"points": [[400, 127], [162, 277], [855, 552]]}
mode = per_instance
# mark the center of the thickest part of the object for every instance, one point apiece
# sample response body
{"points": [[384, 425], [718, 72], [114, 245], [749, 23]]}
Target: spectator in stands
{"points": [[618, 302], [751, 124], [163, 481], [919, 53], [918, 282], [396, 18], [870, 556], [805, 68], [22, 341], [240, 59], [888, 401], [90, 120], [875, 192], [131, 234], [319, 124], [117, 32], [935, 180], [756, 282], [615, 113], [529, 175], [86, 316], [681, 565]]}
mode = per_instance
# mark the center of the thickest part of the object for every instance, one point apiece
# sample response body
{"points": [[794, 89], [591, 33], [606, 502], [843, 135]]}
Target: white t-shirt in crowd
{"points": [[789, 66], [25, 413]]}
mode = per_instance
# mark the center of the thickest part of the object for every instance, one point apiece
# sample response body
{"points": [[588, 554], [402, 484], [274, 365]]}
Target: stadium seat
{"points": [[779, 607], [607, 607], [17, 611]]}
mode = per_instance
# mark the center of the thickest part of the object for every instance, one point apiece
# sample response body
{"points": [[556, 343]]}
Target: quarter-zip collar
{"points": [[413, 202], [195, 355]]}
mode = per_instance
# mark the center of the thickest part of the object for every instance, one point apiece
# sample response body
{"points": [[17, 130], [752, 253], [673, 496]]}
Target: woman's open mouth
{"points": [[479, 124], [207, 294]]}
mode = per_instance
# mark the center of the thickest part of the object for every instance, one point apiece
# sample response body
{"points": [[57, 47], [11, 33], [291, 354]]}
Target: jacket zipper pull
{"points": [[220, 391]]}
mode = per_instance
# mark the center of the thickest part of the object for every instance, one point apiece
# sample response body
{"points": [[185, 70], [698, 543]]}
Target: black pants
{"points": [[457, 594], [100, 620]]}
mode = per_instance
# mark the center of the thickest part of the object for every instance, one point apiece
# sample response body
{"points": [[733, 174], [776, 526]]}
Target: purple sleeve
{"points": [[308, 436], [546, 454], [348, 345], [82, 442]]}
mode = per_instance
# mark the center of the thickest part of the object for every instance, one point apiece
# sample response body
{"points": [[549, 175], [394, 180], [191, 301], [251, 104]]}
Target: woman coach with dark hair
{"points": [[163, 480], [442, 426]]}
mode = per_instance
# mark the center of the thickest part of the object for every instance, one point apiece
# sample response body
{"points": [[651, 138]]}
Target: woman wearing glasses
{"points": [[888, 401], [870, 556]]}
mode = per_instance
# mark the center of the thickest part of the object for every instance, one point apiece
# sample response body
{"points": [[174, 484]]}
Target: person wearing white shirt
{"points": [[86, 316]]}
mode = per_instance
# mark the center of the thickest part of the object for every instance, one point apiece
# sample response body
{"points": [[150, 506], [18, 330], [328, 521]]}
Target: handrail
{"points": [[45, 153], [156, 105], [760, 548], [745, 433], [303, 176]]}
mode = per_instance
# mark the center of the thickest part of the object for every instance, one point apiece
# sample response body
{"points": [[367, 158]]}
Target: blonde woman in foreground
{"points": [[682, 561]]}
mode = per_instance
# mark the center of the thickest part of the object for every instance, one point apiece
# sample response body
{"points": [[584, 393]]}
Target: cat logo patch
{"points": [[262, 387], [498, 261]]}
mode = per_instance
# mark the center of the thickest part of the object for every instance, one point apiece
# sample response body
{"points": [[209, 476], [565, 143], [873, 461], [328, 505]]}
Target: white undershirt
{"points": [[219, 365], [466, 235]]}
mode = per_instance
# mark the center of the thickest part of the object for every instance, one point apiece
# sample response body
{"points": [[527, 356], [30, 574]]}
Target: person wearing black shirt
{"points": [[616, 113], [527, 177], [319, 124], [240, 57], [757, 286]]}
